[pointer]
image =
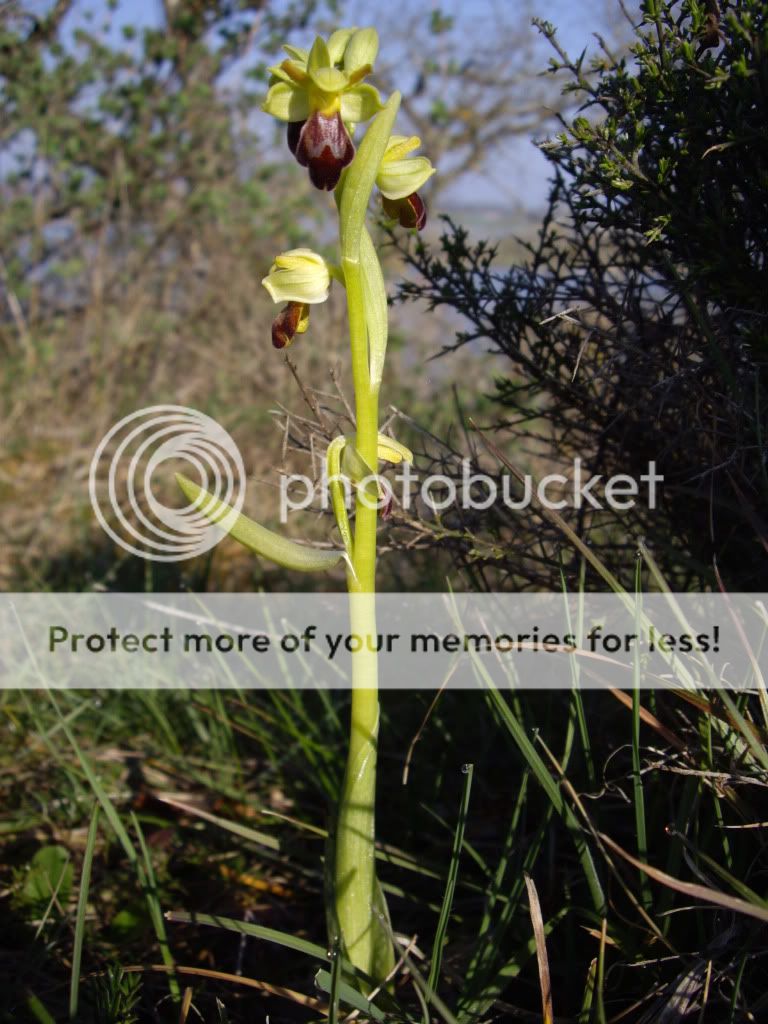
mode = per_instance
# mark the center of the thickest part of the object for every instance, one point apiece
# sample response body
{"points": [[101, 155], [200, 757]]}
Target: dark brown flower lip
{"points": [[323, 145], [411, 211], [286, 323], [294, 132]]}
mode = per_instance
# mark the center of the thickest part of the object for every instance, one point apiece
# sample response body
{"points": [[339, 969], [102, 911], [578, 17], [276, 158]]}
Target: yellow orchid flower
{"points": [[301, 278], [399, 178], [319, 93], [299, 275]]}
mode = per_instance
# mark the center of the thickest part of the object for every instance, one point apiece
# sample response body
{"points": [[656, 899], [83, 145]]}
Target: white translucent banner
{"points": [[424, 641]]}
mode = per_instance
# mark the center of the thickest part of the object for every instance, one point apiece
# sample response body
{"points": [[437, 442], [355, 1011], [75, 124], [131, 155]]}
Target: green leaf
{"points": [[38, 1011], [130, 923], [338, 491], [259, 539], [354, 465], [360, 177], [376, 320], [50, 872]]}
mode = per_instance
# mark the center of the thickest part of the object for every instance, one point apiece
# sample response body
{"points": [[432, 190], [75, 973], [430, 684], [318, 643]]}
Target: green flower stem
{"points": [[355, 874], [358, 903]]}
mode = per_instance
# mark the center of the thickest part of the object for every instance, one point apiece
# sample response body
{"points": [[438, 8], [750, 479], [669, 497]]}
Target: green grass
{"points": [[197, 825], [206, 854]]}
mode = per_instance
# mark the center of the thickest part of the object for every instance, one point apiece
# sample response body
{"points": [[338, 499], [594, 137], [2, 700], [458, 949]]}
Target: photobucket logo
{"points": [[478, 491], [148, 447]]}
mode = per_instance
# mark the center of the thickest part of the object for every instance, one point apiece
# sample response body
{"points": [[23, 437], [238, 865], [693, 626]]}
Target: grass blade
{"points": [[346, 994], [542, 775], [545, 981], [550, 787], [82, 904], [693, 889], [450, 884], [156, 913], [585, 1013], [311, 949], [333, 989], [637, 778], [243, 831]]}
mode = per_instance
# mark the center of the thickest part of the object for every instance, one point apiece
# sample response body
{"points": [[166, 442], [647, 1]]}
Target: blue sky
{"points": [[519, 174]]}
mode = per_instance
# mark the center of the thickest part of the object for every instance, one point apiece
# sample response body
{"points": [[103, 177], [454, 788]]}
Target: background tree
{"points": [[637, 327], [475, 86], [140, 200]]}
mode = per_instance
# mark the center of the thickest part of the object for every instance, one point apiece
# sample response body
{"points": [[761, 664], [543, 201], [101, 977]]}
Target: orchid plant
{"points": [[322, 97]]}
